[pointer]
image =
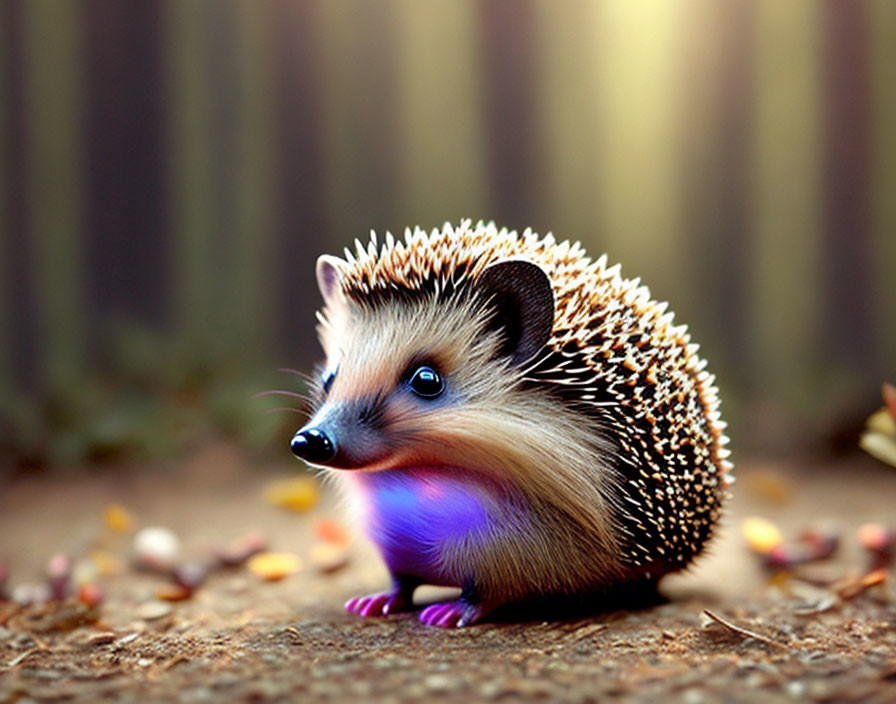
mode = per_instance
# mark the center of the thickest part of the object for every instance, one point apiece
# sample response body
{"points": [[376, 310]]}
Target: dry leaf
{"points": [[331, 531], [889, 394], [880, 446], [298, 494], [761, 534], [272, 566], [118, 519], [879, 439]]}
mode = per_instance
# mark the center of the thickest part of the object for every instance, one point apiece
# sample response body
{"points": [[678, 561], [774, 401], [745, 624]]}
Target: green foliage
{"points": [[160, 397]]}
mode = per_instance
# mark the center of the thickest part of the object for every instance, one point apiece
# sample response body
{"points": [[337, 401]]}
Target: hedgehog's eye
{"points": [[327, 381], [426, 382]]}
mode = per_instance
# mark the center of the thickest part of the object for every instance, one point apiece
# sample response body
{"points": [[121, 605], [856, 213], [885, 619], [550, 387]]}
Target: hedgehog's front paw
{"points": [[381, 604], [455, 614]]}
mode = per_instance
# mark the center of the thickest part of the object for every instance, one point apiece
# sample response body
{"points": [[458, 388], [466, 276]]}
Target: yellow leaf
{"points": [[761, 534], [882, 422], [118, 518], [881, 446], [272, 566], [298, 494]]}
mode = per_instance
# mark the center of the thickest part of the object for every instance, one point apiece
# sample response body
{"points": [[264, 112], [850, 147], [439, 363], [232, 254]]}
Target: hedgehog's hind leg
{"points": [[465, 611], [400, 598]]}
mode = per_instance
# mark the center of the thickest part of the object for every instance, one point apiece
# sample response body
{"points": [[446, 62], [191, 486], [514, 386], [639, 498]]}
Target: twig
{"points": [[4, 618], [587, 631], [743, 632], [21, 658], [176, 661], [294, 632], [41, 644], [852, 587]]}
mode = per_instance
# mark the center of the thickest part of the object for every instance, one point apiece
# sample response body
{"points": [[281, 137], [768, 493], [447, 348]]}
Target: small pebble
{"points": [[200, 694], [90, 594], [240, 551], [796, 689], [438, 683], [59, 569], [60, 565], [880, 541], [129, 638], [173, 592], [272, 566], [493, 689], [152, 610], [328, 557], [190, 575], [101, 638], [41, 673], [693, 696], [156, 548], [875, 536], [25, 594]]}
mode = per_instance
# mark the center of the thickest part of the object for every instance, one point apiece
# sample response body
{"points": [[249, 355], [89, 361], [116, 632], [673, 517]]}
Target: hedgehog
{"points": [[510, 418]]}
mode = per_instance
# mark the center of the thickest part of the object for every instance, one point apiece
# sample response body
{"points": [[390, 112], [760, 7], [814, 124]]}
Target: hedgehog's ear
{"points": [[521, 292], [329, 278]]}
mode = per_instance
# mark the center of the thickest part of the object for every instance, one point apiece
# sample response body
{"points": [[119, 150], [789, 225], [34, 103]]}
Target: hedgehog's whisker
{"points": [[307, 378], [281, 392], [290, 370], [284, 408]]}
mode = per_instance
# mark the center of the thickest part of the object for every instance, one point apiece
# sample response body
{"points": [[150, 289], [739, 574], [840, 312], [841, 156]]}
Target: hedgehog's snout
{"points": [[313, 445]]}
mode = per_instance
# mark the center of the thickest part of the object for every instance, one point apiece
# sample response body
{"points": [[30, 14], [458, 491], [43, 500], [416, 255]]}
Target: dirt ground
{"points": [[241, 639]]}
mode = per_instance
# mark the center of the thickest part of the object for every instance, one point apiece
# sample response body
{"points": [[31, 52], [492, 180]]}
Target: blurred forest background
{"points": [[170, 170]]}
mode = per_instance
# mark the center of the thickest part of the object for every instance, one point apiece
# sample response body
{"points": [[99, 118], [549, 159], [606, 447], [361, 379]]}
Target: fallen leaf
{"points": [[272, 566], [90, 594], [889, 394], [851, 588], [118, 519], [743, 632], [881, 421], [173, 592], [299, 494], [331, 531], [328, 557], [761, 534], [879, 446]]}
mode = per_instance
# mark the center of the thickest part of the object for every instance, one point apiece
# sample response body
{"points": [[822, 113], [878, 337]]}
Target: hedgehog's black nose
{"points": [[312, 445]]}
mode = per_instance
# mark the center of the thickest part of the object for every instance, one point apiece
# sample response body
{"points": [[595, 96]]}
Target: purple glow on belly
{"points": [[414, 514]]}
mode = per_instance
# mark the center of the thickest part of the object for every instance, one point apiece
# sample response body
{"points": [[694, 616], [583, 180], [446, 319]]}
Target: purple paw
{"points": [[381, 604], [454, 614]]}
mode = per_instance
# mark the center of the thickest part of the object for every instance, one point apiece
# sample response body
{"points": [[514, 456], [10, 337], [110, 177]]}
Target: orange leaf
{"points": [[890, 398]]}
